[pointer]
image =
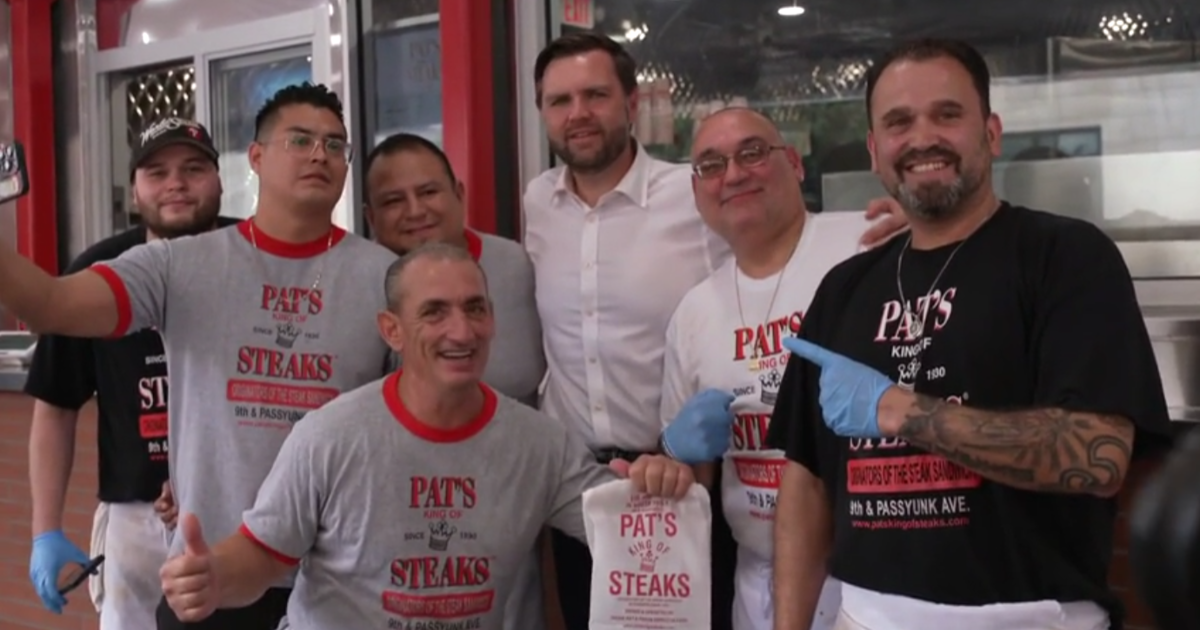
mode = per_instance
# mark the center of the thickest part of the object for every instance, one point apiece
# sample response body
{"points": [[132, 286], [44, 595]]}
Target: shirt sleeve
{"points": [[580, 471], [678, 386], [62, 372], [1089, 339], [796, 421], [138, 279], [286, 514], [797, 424]]}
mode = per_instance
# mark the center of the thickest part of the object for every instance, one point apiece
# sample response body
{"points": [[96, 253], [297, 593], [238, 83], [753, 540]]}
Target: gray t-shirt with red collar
{"points": [[255, 342], [396, 524]]}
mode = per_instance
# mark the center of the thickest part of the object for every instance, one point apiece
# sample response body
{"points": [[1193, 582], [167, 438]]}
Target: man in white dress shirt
{"points": [[616, 241]]}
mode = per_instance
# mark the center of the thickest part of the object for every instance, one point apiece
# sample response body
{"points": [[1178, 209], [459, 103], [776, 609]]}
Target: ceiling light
{"points": [[791, 11]]}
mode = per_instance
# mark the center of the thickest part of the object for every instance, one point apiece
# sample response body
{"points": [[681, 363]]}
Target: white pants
{"points": [[753, 588], [127, 589], [863, 609]]}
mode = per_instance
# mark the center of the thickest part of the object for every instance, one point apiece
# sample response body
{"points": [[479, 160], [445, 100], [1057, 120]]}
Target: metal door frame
{"points": [[309, 27]]}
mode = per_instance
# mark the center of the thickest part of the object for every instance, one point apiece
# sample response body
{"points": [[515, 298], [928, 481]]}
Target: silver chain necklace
{"points": [[916, 325], [263, 267], [771, 305]]}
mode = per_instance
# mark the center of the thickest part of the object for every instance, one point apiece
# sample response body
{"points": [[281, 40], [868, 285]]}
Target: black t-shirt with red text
{"points": [[128, 376], [1035, 310]]}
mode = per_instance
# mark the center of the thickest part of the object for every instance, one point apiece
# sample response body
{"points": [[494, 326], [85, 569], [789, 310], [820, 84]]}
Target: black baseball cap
{"points": [[168, 132]]}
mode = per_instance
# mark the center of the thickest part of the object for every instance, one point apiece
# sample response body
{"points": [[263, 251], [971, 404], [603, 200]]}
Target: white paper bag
{"points": [[651, 564]]}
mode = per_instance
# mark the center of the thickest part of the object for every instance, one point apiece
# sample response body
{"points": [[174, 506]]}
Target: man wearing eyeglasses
{"points": [[262, 322], [724, 352], [616, 242]]}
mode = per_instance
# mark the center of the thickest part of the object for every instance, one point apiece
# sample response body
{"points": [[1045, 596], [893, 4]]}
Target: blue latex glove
{"points": [[51, 552], [700, 431], [850, 391]]}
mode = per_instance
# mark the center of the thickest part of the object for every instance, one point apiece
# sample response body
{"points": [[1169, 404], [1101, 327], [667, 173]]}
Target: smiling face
{"points": [[932, 142], [757, 190], [586, 111], [177, 191], [412, 200], [441, 321]]}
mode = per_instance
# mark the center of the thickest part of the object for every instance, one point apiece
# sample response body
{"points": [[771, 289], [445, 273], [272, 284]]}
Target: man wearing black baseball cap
{"points": [[177, 192]]}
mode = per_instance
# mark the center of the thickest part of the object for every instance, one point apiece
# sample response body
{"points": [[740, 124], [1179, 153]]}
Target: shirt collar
{"points": [[634, 186]]}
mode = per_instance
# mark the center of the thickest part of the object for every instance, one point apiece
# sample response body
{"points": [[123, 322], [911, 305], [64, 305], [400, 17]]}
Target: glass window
{"points": [[240, 86], [1098, 98], [404, 89]]}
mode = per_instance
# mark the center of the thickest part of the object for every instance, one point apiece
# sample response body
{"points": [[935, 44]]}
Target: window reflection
{"points": [[1097, 98], [405, 68]]}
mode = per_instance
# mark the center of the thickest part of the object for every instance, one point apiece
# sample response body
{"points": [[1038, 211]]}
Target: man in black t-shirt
{"points": [[177, 190], [971, 396]]}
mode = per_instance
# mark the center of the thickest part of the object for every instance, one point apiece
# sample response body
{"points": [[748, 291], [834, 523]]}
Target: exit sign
{"points": [[578, 13]]}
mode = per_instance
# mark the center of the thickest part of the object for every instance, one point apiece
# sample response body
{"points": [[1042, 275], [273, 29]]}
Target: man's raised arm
{"points": [[81, 304]]}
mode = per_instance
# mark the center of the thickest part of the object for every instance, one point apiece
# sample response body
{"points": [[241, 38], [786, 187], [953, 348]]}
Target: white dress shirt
{"points": [[608, 279]]}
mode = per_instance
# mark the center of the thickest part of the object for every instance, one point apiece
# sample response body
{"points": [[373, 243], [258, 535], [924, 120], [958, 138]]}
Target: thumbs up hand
{"points": [[188, 580]]}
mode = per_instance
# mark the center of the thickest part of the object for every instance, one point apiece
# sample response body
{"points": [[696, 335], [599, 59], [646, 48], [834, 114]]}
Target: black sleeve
{"points": [[796, 421], [1089, 341], [63, 371]]}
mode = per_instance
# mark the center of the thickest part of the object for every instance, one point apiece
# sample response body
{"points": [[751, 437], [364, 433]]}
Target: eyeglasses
{"points": [[306, 145], [746, 157]]}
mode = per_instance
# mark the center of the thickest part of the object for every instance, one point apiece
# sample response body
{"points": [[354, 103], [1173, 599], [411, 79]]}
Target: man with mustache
{"points": [[616, 242], [263, 322], [177, 191], [964, 402]]}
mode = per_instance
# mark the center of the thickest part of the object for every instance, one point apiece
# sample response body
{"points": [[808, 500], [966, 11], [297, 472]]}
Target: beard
{"points": [[202, 220], [934, 201], [614, 143]]}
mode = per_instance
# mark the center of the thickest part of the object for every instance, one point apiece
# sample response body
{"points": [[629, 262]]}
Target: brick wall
{"points": [[20, 608]]}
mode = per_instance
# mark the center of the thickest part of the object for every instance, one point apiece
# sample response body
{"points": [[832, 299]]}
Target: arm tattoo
{"points": [[1046, 450]]}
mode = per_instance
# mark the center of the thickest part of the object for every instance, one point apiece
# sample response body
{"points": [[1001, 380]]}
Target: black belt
{"points": [[606, 455]]}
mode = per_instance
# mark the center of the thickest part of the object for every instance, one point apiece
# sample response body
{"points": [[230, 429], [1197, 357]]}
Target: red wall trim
{"points": [[33, 126], [468, 103], [110, 17]]}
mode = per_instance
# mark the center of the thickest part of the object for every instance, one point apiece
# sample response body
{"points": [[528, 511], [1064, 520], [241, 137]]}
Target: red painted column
{"points": [[33, 126], [468, 104], [110, 17]]}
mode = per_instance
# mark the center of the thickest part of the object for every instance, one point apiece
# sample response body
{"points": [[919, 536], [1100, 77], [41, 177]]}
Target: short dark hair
{"points": [[306, 93], [401, 142], [932, 48], [581, 42]]}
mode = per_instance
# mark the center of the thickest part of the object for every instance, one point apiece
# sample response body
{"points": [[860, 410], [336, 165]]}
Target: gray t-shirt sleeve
{"points": [[138, 279], [579, 471], [286, 515]]}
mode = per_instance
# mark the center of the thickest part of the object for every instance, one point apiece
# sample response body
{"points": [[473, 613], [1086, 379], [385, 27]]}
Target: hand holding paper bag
{"points": [[650, 557]]}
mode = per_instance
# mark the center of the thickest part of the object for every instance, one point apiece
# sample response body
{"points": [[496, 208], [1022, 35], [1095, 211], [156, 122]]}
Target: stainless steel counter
{"points": [[1175, 335], [12, 380]]}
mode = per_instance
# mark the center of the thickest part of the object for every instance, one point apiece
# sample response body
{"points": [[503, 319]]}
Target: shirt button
{"points": [[597, 407], [589, 313], [591, 359]]}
